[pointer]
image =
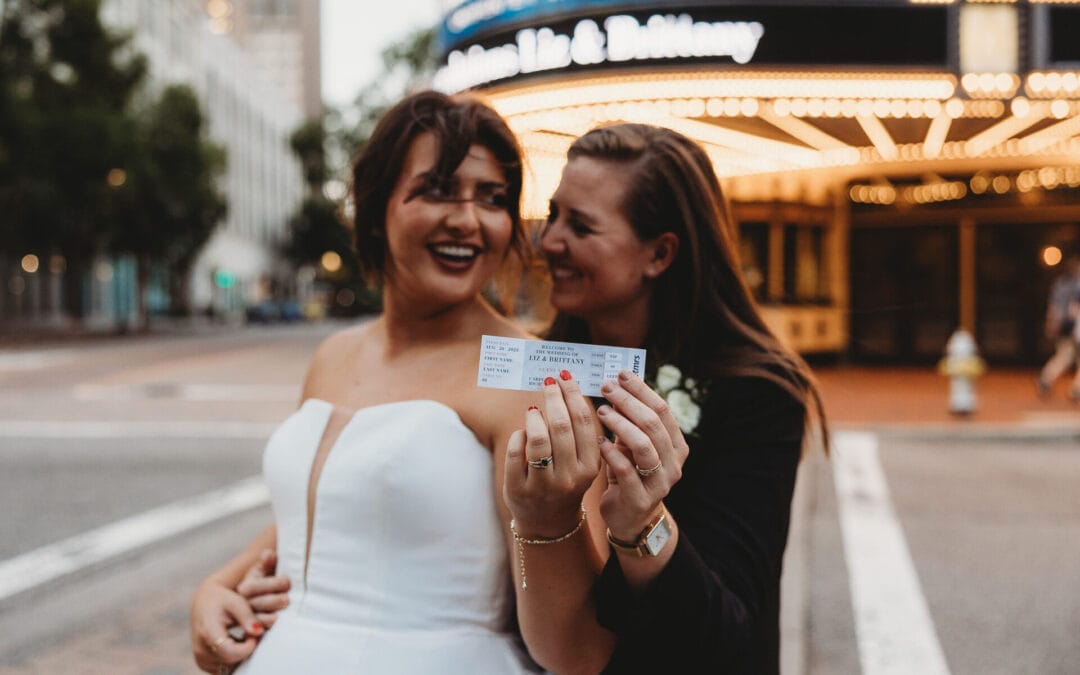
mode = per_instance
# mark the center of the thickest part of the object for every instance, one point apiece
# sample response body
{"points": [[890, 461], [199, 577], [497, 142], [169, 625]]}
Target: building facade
{"points": [[251, 113], [283, 39], [897, 168], [192, 42]]}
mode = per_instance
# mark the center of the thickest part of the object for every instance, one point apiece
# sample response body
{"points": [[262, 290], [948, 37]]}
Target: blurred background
{"points": [[896, 170], [173, 188]]}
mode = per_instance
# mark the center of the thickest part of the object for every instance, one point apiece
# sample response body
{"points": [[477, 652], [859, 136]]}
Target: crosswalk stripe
{"points": [[893, 626], [53, 561], [33, 360], [133, 429]]}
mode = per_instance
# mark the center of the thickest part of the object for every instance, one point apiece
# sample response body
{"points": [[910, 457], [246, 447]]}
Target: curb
{"points": [[982, 432], [794, 590]]}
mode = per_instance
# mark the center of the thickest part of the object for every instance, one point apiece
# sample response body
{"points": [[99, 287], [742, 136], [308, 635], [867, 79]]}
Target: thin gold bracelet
{"points": [[521, 541]]}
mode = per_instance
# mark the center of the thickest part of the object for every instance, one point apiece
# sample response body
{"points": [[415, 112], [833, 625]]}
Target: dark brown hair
{"points": [[457, 124], [702, 315]]}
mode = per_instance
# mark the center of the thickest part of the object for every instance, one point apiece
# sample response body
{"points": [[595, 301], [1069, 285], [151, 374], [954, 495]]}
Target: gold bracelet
{"points": [[521, 541]]}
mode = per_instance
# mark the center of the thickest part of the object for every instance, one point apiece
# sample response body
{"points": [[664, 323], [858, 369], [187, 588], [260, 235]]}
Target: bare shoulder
{"points": [[330, 356]]}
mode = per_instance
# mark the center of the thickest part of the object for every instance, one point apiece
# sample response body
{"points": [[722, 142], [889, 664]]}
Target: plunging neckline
{"points": [[321, 459]]}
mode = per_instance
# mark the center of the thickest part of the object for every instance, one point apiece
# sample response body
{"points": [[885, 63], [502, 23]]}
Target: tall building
{"points": [[283, 39], [249, 113], [897, 168]]}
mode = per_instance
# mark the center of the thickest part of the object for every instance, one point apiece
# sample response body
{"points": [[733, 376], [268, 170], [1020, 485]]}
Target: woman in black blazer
{"points": [[698, 471]]}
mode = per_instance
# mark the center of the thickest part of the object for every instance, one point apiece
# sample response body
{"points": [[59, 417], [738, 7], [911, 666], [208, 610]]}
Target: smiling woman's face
{"points": [[446, 239], [598, 263]]}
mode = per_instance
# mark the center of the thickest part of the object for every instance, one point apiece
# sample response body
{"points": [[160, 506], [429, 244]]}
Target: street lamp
{"points": [[330, 261], [116, 177], [30, 263]]}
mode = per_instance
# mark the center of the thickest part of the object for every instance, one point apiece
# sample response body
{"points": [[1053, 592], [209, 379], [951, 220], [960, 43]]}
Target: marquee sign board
{"points": [[731, 35]]}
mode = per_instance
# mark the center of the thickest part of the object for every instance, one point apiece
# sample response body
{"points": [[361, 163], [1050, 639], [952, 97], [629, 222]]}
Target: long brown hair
{"points": [[457, 124], [702, 315]]}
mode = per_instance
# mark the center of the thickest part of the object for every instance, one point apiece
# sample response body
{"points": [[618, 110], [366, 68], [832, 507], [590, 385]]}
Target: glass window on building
{"points": [[273, 7], [804, 271], [904, 292], [754, 256], [1016, 263], [178, 35]]}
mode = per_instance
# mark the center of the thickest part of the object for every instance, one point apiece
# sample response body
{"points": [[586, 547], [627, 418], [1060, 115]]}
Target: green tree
{"points": [[170, 203], [325, 147], [316, 228], [19, 67], [71, 132]]}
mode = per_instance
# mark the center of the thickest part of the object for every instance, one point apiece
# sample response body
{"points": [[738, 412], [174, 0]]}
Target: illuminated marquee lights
{"points": [[1046, 178], [1046, 84], [621, 39]]}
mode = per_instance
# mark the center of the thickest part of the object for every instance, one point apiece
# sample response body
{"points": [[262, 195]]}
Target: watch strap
{"points": [[637, 547]]}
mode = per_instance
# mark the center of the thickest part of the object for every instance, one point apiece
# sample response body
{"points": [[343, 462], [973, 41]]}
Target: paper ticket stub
{"points": [[513, 363]]}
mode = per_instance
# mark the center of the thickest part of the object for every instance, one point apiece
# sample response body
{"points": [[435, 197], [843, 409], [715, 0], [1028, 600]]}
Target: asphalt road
{"points": [[993, 533], [907, 556]]}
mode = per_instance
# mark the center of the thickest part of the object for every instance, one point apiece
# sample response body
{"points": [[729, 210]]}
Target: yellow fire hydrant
{"points": [[962, 364]]}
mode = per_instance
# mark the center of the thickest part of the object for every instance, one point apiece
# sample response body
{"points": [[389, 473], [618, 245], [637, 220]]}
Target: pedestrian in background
{"points": [[1063, 329]]}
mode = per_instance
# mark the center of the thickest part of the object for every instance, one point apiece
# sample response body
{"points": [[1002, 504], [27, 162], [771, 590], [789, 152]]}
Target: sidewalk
{"points": [[915, 401], [909, 403], [23, 335]]}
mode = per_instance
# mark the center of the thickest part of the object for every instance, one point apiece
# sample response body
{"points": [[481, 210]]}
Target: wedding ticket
{"points": [[513, 363]]}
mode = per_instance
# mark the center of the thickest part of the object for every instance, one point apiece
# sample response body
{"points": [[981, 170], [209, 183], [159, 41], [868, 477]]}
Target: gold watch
{"points": [[650, 542]]}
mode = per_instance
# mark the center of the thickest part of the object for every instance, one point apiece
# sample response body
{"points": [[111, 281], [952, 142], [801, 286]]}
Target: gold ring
{"points": [[542, 463], [648, 472]]}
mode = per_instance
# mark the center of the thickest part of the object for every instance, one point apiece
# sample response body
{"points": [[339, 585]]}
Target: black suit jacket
{"points": [[715, 606]]}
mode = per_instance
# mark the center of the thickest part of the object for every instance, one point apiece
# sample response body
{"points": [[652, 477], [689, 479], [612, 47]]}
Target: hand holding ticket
{"points": [[513, 363]]}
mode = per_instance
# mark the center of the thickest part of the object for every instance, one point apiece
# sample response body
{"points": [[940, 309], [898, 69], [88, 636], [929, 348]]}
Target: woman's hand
{"points": [[213, 610], [647, 459], [266, 593], [551, 464]]}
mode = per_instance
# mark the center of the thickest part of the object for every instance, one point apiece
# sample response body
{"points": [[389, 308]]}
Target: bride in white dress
{"points": [[386, 483]]}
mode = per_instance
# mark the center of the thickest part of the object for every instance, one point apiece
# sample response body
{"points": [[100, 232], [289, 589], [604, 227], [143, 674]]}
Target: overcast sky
{"points": [[355, 32]]}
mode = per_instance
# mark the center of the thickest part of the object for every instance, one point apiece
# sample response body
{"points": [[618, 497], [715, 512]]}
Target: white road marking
{"points": [[133, 429], [893, 626], [30, 360], [50, 562], [187, 392]]}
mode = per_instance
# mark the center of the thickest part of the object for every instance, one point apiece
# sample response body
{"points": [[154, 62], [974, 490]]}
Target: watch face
{"points": [[658, 537]]}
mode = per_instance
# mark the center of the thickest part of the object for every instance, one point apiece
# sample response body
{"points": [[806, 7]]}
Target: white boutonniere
{"points": [[683, 396]]}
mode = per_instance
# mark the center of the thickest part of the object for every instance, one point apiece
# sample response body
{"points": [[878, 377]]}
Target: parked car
{"points": [[274, 311]]}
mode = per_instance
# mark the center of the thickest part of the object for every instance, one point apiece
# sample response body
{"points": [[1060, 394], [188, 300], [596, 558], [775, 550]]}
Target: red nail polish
{"points": [[257, 627], [549, 380], [532, 407], [565, 375]]}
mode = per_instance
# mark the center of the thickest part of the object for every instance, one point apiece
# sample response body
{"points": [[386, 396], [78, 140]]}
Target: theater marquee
{"points": [[615, 39], [825, 120]]}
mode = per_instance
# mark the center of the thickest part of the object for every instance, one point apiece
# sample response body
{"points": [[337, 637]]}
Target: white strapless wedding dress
{"points": [[408, 570]]}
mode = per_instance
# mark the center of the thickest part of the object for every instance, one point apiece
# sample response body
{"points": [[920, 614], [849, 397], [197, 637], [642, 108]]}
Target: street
{"points": [[993, 531], [124, 468], [101, 433]]}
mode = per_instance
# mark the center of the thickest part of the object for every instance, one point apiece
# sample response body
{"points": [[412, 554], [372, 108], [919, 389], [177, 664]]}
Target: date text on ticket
{"points": [[512, 363]]}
